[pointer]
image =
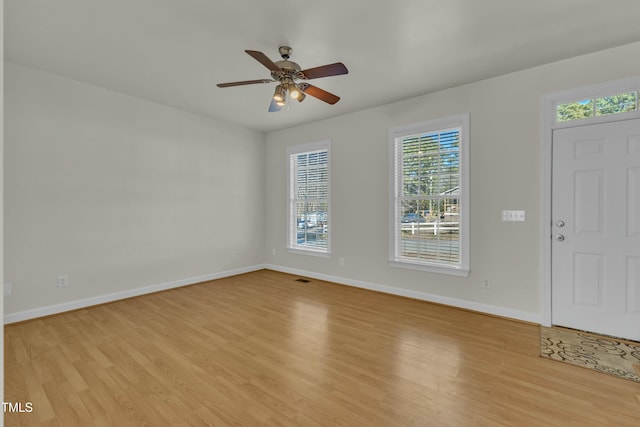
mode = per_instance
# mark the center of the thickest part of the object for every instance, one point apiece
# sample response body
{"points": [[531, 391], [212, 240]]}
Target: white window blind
{"points": [[429, 221], [309, 197]]}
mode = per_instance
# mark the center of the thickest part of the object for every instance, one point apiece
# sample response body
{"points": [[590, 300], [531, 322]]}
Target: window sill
{"points": [[309, 252], [431, 268]]}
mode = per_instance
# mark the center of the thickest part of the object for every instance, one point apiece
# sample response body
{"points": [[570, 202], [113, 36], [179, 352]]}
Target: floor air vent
{"points": [[303, 280]]}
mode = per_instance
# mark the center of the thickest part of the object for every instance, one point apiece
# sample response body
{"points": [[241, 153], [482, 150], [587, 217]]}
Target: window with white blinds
{"points": [[429, 201], [309, 197]]}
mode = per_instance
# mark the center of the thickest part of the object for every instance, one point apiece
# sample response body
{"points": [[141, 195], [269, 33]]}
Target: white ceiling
{"points": [[174, 51]]}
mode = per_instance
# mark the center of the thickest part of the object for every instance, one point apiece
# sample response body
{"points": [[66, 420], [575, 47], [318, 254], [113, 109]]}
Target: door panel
{"points": [[633, 284], [588, 199], [596, 228], [633, 197], [587, 280]]}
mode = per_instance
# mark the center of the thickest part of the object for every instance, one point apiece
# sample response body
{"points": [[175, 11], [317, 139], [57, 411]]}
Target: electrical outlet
{"points": [[341, 262], [486, 284], [63, 281], [8, 289], [273, 251]]}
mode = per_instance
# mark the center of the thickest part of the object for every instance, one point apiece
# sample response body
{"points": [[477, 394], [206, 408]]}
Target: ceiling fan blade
{"points": [[274, 107], [263, 59], [245, 82], [325, 71], [321, 94]]}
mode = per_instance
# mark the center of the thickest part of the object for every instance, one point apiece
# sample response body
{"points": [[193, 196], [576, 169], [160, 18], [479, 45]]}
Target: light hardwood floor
{"points": [[263, 349]]}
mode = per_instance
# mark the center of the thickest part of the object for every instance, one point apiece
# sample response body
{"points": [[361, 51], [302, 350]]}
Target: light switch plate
{"points": [[518, 216]]}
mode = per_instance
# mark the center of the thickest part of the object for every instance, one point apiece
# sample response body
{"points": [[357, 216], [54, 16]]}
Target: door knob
{"points": [[559, 237], [560, 223]]}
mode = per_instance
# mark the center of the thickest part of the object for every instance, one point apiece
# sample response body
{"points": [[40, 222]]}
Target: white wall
{"points": [[120, 193], [1, 204], [505, 127]]}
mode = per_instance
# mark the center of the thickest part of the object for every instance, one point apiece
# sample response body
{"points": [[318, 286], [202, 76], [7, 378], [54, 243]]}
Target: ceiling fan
{"points": [[287, 73]]}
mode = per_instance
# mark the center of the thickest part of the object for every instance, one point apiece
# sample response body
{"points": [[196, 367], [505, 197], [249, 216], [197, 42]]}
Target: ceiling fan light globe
{"points": [[279, 94]]}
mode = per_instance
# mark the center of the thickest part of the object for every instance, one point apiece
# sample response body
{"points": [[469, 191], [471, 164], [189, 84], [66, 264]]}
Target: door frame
{"points": [[549, 103]]}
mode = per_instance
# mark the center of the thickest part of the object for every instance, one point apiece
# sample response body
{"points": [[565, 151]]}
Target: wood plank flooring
{"points": [[263, 349]]}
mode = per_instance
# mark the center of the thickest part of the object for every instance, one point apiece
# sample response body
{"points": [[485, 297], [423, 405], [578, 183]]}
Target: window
{"points": [[309, 198], [597, 107], [429, 218]]}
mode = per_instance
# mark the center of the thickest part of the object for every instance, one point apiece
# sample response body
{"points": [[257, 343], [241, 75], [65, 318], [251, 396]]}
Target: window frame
{"points": [[292, 245], [395, 172]]}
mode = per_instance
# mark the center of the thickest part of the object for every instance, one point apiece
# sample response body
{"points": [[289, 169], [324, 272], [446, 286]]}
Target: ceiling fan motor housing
{"points": [[288, 69]]}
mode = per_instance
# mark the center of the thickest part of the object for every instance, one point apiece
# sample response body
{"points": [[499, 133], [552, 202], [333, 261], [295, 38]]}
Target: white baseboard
{"points": [[454, 302], [102, 299]]}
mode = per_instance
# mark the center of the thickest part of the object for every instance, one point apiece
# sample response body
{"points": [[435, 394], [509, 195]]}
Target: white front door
{"points": [[595, 267]]}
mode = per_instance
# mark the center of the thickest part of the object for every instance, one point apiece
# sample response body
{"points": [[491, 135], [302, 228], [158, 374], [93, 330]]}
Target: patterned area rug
{"points": [[609, 355]]}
